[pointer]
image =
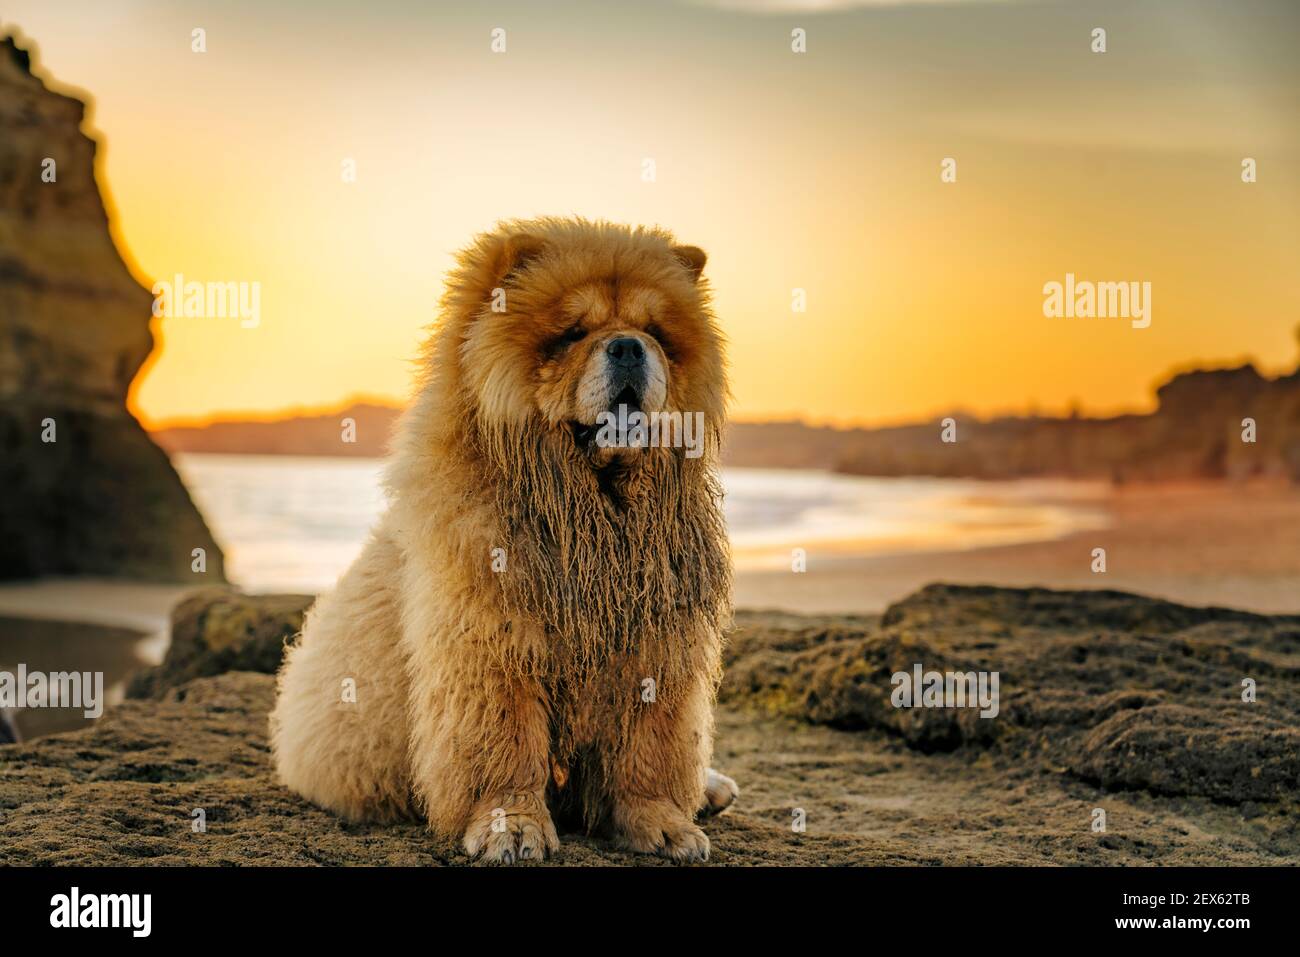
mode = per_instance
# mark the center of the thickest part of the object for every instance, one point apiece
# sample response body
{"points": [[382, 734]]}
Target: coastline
{"points": [[1156, 544], [1196, 543]]}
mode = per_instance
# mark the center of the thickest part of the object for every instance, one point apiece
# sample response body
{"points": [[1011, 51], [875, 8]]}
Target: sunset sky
{"points": [[818, 170]]}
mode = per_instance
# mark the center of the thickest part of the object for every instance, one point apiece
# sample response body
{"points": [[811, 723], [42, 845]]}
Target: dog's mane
{"points": [[612, 568], [605, 565]]}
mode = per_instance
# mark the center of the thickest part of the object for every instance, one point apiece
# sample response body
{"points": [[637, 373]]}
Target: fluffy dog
{"points": [[535, 627]]}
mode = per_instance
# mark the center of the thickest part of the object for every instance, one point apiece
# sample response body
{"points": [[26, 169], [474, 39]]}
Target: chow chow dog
{"points": [[533, 632]]}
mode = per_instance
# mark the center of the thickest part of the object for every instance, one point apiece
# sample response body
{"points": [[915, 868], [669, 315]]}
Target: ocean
{"points": [[296, 523]]}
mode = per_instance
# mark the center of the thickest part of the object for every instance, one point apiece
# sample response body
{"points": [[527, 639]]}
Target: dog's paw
{"points": [[660, 827], [516, 828], [719, 793]]}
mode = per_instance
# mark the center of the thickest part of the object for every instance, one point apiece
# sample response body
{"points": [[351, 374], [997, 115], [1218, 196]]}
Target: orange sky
{"points": [[816, 170]]}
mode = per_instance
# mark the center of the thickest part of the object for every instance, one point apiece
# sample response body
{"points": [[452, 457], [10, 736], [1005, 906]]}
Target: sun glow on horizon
{"points": [[817, 172]]}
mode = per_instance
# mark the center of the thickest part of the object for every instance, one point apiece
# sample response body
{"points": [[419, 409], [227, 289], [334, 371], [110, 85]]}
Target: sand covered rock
{"points": [[1172, 749], [127, 790], [1124, 691], [1110, 702], [218, 630], [86, 491]]}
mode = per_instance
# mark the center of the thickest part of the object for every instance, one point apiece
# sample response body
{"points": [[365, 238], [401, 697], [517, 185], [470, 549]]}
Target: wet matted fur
{"points": [[536, 624]]}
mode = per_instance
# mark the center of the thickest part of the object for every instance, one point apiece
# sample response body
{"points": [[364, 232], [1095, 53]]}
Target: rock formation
{"points": [[1196, 432], [85, 490], [216, 630], [359, 430], [1121, 691], [1108, 700]]}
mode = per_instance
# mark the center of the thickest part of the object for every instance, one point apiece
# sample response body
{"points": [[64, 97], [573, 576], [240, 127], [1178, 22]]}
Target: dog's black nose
{"points": [[626, 351]]}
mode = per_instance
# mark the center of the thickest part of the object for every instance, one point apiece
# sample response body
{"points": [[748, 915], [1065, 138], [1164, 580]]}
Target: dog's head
{"points": [[587, 330]]}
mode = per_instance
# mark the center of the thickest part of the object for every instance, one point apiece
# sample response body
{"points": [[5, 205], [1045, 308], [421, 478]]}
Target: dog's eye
{"points": [[656, 330], [574, 333]]}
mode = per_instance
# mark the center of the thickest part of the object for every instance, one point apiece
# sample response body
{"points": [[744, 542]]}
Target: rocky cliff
{"points": [[1196, 432], [84, 489], [322, 434]]}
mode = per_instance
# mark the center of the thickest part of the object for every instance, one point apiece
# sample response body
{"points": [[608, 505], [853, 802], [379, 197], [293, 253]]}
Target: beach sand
{"points": [[1236, 546], [1207, 543]]}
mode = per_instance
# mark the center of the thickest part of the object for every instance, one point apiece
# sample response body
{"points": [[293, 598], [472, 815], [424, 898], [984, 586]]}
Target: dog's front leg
{"points": [[658, 776], [481, 757]]}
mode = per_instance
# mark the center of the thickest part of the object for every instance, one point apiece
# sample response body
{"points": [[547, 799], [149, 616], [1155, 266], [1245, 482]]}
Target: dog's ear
{"points": [[515, 252], [693, 258]]}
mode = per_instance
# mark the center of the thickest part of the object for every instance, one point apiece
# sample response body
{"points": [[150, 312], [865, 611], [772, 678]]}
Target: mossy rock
{"points": [[218, 630]]}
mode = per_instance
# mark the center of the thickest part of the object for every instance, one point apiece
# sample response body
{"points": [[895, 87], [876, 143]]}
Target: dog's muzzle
{"points": [[627, 372]]}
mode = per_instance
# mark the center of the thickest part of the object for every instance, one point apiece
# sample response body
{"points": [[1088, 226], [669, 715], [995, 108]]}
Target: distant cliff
{"points": [[84, 490], [1195, 433], [360, 430]]}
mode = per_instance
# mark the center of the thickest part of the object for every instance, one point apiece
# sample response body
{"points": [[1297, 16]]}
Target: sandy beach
{"points": [[1232, 545], [1202, 543]]}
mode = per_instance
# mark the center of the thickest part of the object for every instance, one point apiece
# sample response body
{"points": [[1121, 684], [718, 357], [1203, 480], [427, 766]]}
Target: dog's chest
{"points": [[589, 710]]}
